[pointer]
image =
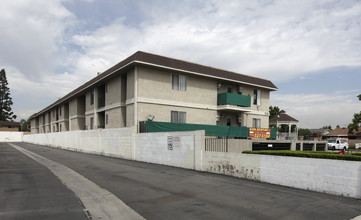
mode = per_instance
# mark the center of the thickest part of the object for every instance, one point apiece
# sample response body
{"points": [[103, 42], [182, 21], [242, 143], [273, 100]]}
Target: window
{"points": [[92, 97], [178, 117], [59, 111], [106, 88], [256, 123], [106, 119], [91, 123], [179, 82], [60, 127], [229, 121], [229, 90], [257, 97]]}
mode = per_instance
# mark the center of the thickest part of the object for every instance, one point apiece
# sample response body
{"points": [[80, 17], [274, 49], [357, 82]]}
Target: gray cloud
{"points": [[47, 48]]}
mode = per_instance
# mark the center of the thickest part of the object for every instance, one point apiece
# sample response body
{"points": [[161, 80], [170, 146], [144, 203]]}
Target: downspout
{"points": [[135, 117]]}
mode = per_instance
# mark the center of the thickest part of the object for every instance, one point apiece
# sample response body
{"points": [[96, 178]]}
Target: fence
{"points": [[11, 136], [190, 150], [210, 130], [218, 145], [239, 145]]}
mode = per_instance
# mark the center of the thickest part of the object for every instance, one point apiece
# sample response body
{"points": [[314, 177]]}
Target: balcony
{"points": [[234, 99]]}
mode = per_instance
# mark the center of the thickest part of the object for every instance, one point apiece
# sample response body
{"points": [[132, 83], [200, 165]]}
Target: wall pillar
{"points": [[293, 145]]}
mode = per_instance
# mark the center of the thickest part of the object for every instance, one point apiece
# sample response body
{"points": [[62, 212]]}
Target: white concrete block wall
{"points": [[233, 164], [125, 143], [11, 136], [331, 176], [111, 142], [153, 148]]}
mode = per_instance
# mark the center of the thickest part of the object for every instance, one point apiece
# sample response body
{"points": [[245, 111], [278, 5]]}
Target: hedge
{"points": [[309, 154]]}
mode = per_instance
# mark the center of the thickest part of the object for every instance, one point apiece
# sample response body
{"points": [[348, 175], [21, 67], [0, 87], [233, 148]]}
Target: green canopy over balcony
{"points": [[234, 99]]}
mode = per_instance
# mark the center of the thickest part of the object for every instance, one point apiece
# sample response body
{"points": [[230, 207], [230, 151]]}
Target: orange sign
{"points": [[259, 133]]}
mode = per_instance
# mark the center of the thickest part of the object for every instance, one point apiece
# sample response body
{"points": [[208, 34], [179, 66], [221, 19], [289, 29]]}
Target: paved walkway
{"points": [[99, 202]]}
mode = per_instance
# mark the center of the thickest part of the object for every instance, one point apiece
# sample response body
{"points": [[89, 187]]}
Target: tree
{"points": [[356, 122], [273, 111], [24, 125], [327, 127], [5, 100], [306, 133]]}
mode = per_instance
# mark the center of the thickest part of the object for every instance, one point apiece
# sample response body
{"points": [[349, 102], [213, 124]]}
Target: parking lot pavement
{"points": [[29, 190], [162, 192]]}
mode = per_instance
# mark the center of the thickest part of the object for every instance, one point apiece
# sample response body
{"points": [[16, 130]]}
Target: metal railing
{"points": [[218, 145]]}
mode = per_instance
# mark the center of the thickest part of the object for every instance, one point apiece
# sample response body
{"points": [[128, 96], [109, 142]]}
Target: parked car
{"points": [[337, 144]]}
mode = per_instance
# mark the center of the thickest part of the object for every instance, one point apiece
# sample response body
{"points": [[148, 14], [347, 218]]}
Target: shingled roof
{"points": [[282, 116], [9, 123], [144, 58]]}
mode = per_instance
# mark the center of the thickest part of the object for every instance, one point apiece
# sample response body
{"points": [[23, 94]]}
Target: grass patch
{"points": [[309, 154]]}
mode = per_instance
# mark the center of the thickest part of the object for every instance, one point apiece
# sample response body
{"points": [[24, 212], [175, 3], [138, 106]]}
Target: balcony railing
{"points": [[234, 99]]}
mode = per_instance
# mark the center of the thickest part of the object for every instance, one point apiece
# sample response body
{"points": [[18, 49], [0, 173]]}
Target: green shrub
{"points": [[309, 154]]}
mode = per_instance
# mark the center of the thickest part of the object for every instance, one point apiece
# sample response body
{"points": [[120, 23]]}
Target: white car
{"points": [[337, 144]]}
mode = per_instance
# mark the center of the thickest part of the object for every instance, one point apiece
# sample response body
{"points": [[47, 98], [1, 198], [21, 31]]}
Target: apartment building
{"points": [[146, 86]]}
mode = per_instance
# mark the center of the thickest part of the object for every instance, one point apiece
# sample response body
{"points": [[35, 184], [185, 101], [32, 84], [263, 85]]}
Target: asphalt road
{"points": [[159, 192]]}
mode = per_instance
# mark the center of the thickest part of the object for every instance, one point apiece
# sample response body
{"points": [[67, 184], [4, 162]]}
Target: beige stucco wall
{"points": [[113, 96], [130, 85], [61, 114], [89, 107], [264, 120], [77, 113], [87, 122], [157, 84], [34, 125], [77, 123], [73, 105], [129, 115], [115, 118], [162, 113]]}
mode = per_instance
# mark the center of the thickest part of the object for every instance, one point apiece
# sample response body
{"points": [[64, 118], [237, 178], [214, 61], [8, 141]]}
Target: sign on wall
{"points": [[173, 142], [358, 145], [259, 133], [170, 143]]}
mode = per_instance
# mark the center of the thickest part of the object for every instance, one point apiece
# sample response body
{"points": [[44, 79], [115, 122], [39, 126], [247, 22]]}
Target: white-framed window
{"points": [[178, 117], [256, 123], [91, 123], [257, 97], [179, 82]]}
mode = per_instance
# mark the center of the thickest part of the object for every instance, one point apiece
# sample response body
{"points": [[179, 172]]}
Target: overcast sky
{"points": [[311, 50]]}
